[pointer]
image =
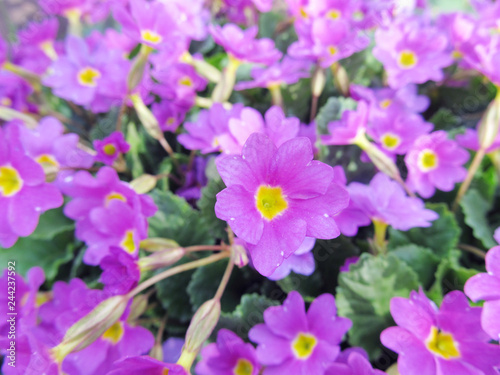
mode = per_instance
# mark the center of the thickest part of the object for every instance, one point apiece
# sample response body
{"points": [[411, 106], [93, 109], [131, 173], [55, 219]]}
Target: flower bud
{"points": [[224, 88], [89, 328], [202, 67], [146, 117], [143, 184], [161, 259], [138, 66], [488, 127], [137, 308], [239, 255], [341, 79], [158, 244], [202, 325], [378, 158], [156, 351], [8, 114], [318, 82]]}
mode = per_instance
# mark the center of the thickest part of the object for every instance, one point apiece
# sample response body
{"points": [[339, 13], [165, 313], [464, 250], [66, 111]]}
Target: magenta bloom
{"points": [[276, 197], [496, 236], [169, 115], [470, 140], [384, 200], [242, 45], [110, 147], [356, 364], [412, 52], [274, 124], [120, 272], [300, 262], [24, 194], [346, 130], [298, 343], [433, 162], [288, 71], [486, 287], [443, 342], [347, 264], [396, 133], [204, 134], [195, 179], [15, 92], [41, 36], [95, 77], [145, 365], [228, 356]]}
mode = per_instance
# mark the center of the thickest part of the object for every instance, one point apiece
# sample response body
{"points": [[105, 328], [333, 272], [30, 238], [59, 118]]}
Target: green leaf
{"points": [[444, 119], [421, 259], [332, 111], [364, 294], [362, 67], [52, 223], [486, 182], [178, 221], [441, 237], [137, 147], [297, 99], [475, 209], [307, 286], [206, 205], [247, 314]]}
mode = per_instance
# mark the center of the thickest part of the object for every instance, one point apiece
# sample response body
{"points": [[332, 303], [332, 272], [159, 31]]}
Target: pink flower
{"points": [[110, 147], [275, 197], [346, 130]]}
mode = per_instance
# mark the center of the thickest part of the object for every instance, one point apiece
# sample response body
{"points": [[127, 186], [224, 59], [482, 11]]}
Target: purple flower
{"points": [[486, 287], [293, 342], [276, 197], [300, 262], [41, 36], [412, 52], [228, 356], [384, 200], [148, 23], [347, 264], [145, 365], [169, 115], [356, 364], [242, 45], [172, 349], [191, 17], [195, 180], [496, 236], [396, 133], [204, 134], [288, 71], [433, 162], [110, 148], [346, 130], [120, 272], [470, 140], [444, 342], [95, 78], [24, 194], [274, 124], [15, 92]]}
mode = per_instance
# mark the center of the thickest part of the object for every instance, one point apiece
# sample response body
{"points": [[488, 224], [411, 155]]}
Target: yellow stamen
{"points": [[114, 333], [303, 345], [10, 181], [114, 195], [407, 59], [332, 50], [6, 102], [303, 12], [384, 104], [47, 160], [334, 14], [390, 141], [270, 201], [151, 36], [243, 367], [109, 149], [128, 243], [427, 160], [88, 77], [186, 81], [442, 344]]}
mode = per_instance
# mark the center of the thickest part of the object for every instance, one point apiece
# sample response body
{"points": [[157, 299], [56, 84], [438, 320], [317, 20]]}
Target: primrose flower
{"points": [[120, 272], [349, 128], [433, 162], [242, 45], [95, 77], [445, 341], [15, 92], [300, 262], [195, 179], [24, 194], [486, 287], [110, 147], [147, 23], [274, 124], [145, 365], [470, 140], [275, 197], [204, 134], [384, 200], [169, 115], [294, 342], [356, 364], [412, 52], [230, 355]]}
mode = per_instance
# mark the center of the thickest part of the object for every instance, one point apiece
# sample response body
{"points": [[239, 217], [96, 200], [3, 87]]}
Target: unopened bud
{"points": [[202, 325], [224, 88], [383, 162], [239, 255], [393, 370], [8, 114], [146, 117], [143, 184], [488, 127], [157, 352], [318, 82], [158, 244], [33, 79], [137, 307], [138, 66], [89, 328], [341, 79], [161, 259]]}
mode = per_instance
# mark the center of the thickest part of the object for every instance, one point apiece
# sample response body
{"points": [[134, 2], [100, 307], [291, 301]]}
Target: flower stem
{"points": [[379, 238], [225, 279], [471, 249], [277, 98], [476, 163]]}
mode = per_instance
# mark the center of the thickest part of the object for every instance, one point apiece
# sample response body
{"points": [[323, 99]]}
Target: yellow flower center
{"points": [[427, 160], [186, 81], [170, 121], [332, 50], [457, 55], [384, 104], [243, 367], [151, 36], [10, 181], [334, 14], [165, 371], [114, 195], [88, 77], [303, 345], [407, 59], [303, 13], [42, 297], [128, 243], [270, 201], [6, 102], [109, 149], [114, 333], [47, 160], [442, 344], [390, 141]]}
